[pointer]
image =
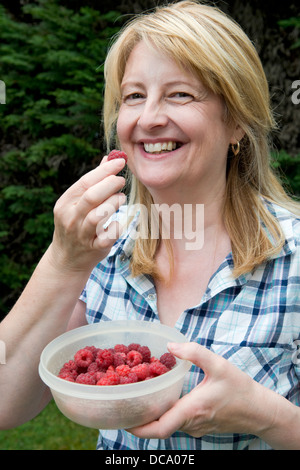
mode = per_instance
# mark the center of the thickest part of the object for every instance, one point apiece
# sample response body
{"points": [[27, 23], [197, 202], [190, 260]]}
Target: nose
{"points": [[153, 115]]}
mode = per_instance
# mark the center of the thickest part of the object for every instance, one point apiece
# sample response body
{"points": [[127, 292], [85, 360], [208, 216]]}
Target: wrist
{"points": [[64, 265], [277, 421]]}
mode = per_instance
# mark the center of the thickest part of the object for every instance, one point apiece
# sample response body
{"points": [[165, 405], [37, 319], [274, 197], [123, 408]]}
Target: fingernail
{"points": [[174, 347]]}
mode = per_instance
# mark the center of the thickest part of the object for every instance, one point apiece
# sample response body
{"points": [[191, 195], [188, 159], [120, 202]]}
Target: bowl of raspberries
{"points": [[114, 374]]}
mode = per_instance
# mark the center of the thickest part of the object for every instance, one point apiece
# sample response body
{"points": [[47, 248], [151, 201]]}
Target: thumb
{"points": [[104, 159], [202, 357]]}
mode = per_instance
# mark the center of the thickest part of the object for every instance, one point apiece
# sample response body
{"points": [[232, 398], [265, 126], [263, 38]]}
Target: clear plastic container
{"points": [[113, 406]]}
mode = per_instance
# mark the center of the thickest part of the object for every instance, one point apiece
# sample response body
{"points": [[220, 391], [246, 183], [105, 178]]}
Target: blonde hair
{"points": [[214, 47]]}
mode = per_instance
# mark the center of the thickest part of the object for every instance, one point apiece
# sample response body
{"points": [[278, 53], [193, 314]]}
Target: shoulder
{"points": [[288, 221]]}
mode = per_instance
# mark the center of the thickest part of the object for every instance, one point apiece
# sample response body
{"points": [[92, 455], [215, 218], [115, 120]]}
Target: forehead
{"points": [[145, 60]]}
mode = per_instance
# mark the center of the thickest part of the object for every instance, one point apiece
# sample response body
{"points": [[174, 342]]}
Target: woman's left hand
{"points": [[226, 401]]}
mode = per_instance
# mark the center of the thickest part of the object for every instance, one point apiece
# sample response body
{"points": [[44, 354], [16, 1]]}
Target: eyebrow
{"points": [[170, 83], [129, 83]]}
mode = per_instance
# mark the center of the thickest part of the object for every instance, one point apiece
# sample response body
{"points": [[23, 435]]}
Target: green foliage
{"points": [[50, 133], [288, 169], [50, 430], [294, 23]]}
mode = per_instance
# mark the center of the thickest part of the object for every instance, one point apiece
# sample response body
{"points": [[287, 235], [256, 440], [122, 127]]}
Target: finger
{"points": [[178, 417], [104, 159], [105, 169], [199, 355], [165, 426], [99, 193], [91, 178], [105, 212], [107, 237], [95, 221]]}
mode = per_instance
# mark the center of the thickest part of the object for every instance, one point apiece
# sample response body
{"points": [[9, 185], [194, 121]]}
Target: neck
{"points": [[184, 217]]}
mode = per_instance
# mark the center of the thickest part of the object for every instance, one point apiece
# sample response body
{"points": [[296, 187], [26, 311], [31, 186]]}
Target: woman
{"points": [[187, 100]]}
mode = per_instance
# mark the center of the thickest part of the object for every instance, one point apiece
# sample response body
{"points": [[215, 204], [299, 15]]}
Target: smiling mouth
{"points": [[161, 147]]}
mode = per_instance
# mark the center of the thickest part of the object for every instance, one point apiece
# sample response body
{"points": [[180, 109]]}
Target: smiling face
{"points": [[171, 127]]}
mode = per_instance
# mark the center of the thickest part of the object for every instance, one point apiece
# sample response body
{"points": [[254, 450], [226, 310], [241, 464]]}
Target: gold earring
{"points": [[235, 148]]}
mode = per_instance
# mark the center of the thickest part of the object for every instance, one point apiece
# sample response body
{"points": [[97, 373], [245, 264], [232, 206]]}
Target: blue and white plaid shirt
{"points": [[253, 321]]}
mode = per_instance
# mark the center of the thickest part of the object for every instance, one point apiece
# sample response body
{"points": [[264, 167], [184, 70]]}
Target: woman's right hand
{"points": [[80, 241]]}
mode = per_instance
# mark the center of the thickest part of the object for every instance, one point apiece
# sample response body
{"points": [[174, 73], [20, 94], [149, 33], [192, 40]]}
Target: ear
{"points": [[237, 134]]}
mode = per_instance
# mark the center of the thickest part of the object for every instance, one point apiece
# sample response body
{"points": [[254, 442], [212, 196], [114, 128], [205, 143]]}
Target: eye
{"points": [[182, 94], [181, 97], [135, 96], [132, 98]]}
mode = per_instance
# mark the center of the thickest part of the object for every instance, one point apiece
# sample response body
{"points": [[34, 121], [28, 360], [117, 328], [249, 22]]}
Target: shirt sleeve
{"points": [[83, 295]]}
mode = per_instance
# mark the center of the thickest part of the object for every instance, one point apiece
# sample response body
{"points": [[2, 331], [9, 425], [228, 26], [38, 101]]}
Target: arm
{"points": [[45, 307], [78, 317], [227, 401]]}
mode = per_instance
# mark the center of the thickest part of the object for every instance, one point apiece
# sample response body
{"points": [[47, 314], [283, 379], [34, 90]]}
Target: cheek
{"points": [[121, 128], [125, 125], [124, 133]]}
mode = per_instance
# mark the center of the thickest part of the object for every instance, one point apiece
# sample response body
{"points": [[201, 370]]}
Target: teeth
{"points": [[160, 147]]}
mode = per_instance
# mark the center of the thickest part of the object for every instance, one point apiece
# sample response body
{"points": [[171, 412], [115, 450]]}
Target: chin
{"points": [[157, 185]]}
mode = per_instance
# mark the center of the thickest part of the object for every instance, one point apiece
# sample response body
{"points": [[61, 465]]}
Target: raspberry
{"points": [[121, 348], [93, 349], [99, 375], [93, 367], [117, 154], [157, 368], [134, 358], [168, 360], [145, 352], [119, 359], [105, 358], [87, 379], [141, 370], [129, 378], [110, 378], [83, 358], [68, 375], [123, 370], [70, 365], [133, 346]]}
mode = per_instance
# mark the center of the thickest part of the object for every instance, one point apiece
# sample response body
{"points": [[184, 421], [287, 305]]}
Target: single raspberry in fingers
{"points": [[117, 154]]}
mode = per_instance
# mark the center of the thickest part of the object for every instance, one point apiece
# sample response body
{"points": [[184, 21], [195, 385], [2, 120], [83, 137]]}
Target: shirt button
{"points": [[123, 258], [151, 296]]}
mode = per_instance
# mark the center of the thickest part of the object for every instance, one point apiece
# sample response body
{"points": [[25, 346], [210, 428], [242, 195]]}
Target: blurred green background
{"points": [[51, 60], [50, 430]]}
